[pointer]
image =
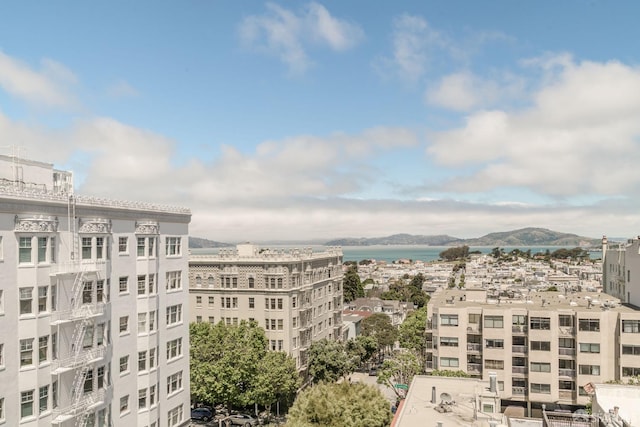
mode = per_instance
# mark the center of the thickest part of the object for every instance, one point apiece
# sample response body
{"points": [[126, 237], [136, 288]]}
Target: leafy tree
{"points": [[497, 252], [328, 361], [226, 363], [344, 405], [411, 333], [448, 373], [277, 379], [352, 287], [399, 370], [452, 254], [361, 349], [379, 326]]}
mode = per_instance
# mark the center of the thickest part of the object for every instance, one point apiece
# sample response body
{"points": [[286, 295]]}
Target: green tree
{"points": [[277, 379], [328, 361], [379, 326], [360, 350], [448, 373], [400, 369], [351, 284], [411, 333], [344, 405], [225, 362], [452, 254]]}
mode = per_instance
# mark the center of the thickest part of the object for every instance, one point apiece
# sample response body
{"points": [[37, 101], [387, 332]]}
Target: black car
{"points": [[204, 414]]}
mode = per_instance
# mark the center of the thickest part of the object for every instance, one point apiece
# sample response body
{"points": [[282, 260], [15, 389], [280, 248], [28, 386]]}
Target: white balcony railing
{"points": [[82, 312], [85, 356], [86, 401]]}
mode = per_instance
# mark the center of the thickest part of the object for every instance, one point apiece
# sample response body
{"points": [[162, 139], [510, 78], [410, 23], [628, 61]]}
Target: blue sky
{"points": [[315, 120]]}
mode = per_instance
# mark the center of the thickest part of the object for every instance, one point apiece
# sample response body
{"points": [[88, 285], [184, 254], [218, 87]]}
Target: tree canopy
{"points": [[361, 349], [230, 365], [452, 254], [411, 333], [328, 361], [343, 404], [379, 326], [400, 369], [408, 292], [351, 284]]}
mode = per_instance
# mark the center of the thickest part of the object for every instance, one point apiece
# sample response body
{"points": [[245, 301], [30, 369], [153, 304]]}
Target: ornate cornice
{"points": [[147, 227], [94, 225], [36, 223]]}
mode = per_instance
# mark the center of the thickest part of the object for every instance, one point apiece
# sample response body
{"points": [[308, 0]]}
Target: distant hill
{"points": [[197, 242], [523, 237]]}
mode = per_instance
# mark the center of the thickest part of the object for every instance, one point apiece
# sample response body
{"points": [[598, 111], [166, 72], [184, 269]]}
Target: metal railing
{"points": [[519, 349], [87, 400], [566, 351], [82, 312], [567, 372], [474, 367], [474, 347], [85, 356], [519, 391], [519, 329], [519, 369]]}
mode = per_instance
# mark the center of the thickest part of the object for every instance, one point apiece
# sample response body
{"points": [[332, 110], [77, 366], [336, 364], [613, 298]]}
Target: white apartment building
{"points": [[621, 269], [543, 346], [93, 291], [295, 294]]}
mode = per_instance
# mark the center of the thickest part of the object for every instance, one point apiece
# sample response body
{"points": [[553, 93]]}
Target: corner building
{"points": [[295, 294], [621, 269], [91, 305], [542, 347]]}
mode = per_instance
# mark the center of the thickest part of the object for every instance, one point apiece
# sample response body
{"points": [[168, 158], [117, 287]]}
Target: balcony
{"points": [[473, 328], [522, 370], [567, 395], [474, 347], [429, 345], [429, 326], [518, 391], [567, 331], [519, 329], [87, 402], [474, 368], [566, 351], [85, 311], [522, 349], [567, 373], [84, 357], [79, 266]]}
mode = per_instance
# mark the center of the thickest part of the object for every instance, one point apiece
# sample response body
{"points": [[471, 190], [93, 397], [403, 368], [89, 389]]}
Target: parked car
{"points": [[243, 420], [373, 372], [202, 414]]}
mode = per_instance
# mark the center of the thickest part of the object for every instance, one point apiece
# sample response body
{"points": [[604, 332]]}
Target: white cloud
{"points": [[578, 137], [287, 35], [46, 87], [122, 89]]}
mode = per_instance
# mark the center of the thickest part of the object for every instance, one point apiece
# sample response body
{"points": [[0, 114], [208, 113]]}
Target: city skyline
{"points": [[306, 120]]}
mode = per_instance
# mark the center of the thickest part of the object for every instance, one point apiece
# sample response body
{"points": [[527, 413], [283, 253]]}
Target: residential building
{"points": [[91, 305], [396, 310], [295, 294], [621, 269], [543, 346]]}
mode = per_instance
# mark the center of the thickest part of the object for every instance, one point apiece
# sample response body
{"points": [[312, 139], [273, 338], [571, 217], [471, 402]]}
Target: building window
{"points": [[124, 404], [43, 348], [42, 249], [87, 292], [541, 345], [86, 247], [174, 416], [234, 302], [198, 301], [100, 248], [631, 350], [43, 394], [294, 302], [26, 352], [494, 364], [152, 395], [493, 322], [540, 367], [474, 318], [174, 280], [449, 362], [1, 398], [142, 398], [565, 320], [42, 299], [174, 382], [211, 299], [88, 382], [123, 245], [124, 324], [174, 314], [589, 369], [26, 404], [280, 324], [541, 323], [54, 394], [152, 321], [631, 326], [140, 247], [448, 341], [100, 334], [251, 283], [24, 250], [123, 286], [152, 284], [541, 388], [142, 323], [174, 348], [152, 358], [630, 371], [54, 297], [124, 364], [494, 343], [142, 284], [173, 246], [142, 361], [589, 347], [592, 325], [87, 340], [26, 296], [449, 319]]}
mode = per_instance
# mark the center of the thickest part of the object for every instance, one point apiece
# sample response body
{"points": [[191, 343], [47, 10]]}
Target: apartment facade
{"points": [[91, 303], [621, 269], [543, 346], [295, 294]]}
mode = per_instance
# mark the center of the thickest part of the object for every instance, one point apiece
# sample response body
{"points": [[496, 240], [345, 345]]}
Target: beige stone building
{"points": [[543, 346], [621, 269], [295, 294]]}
